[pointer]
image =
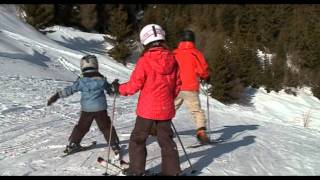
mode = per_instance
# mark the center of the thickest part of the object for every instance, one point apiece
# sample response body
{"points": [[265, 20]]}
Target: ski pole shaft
{"points": [[205, 91], [110, 134], [208, 108], [184, 150]]}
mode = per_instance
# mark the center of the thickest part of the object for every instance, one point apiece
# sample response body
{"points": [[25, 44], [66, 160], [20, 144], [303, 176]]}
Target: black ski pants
{"points": [[103, 121], [138, 152]]}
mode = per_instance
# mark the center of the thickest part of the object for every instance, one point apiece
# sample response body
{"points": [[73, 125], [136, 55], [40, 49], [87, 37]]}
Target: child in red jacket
{"points": [[193, 67], [156, 75]]}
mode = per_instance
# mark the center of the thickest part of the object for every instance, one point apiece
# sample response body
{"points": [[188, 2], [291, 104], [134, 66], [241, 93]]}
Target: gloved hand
{"points": [[208, 80], [53, 99], [116, 85], [202, 81]]}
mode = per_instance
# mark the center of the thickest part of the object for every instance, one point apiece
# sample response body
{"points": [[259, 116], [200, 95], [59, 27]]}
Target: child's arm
{"points": [[202, 68], [108, 88], [68, 91], [53, 99], [136, 81]]}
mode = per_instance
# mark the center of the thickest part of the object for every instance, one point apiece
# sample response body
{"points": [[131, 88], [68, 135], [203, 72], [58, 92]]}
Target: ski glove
{"points": [[53, 99], [205, 80], [116, 85]]}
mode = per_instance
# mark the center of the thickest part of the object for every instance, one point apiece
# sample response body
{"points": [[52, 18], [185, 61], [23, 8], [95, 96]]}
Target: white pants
{"points": [[192, 101]]}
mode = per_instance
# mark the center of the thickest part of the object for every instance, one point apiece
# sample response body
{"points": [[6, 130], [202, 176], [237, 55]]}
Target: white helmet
{"points": [[89, 61], [151, 33]]}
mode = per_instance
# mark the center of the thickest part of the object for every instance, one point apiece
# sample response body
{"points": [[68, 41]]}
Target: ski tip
{"points": [[123, 162]]}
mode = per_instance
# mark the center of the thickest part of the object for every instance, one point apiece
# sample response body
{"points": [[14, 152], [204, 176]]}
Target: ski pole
{"points": [[208, 108], [208, 112], [110, 134], [184, 150]]}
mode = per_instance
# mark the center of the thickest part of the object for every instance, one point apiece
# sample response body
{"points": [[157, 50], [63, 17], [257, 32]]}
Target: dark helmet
{"points": [[187, 35]]}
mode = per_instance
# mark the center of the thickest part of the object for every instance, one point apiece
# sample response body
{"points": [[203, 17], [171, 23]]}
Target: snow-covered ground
{"points": [[266, 137]]}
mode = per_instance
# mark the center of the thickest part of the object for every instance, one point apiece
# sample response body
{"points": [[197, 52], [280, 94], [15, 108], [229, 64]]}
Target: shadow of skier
{"points": [[231, 132], [208, 155], [227, 133]]}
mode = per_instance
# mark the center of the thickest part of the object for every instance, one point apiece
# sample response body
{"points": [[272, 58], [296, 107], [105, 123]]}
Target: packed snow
{"points": [[267, 136]]}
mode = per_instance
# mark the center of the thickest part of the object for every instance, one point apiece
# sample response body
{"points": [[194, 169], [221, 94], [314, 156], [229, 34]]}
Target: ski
{"points": [[121, 165], [83, 148], [214, 142], [122, 170], [183, 173]]}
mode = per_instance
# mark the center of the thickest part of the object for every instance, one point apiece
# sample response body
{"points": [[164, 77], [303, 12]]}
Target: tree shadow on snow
{"points": [[35, 58], [246, 99], [83, 45]]}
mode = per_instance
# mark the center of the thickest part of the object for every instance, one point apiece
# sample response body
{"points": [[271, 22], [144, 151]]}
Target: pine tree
{"points": [[88, 16], [101, 24], [118, 27], [226, 87], [267, 76], [278, 68], [39, 15], [167, 17], [315, 88], [63, 14], [244, 54], [291, 78], [283, 30]]}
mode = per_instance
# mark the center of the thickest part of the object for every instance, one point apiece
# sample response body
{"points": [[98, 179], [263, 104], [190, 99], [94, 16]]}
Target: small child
{"points": [[93, 104], [193, 68]]}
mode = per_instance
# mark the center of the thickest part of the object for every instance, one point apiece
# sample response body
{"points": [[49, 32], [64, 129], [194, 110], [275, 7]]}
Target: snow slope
{"points": [[266, 137]]}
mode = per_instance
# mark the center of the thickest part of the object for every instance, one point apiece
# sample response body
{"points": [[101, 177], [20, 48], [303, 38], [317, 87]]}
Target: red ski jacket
{"points": [[192, 65], [156, 75]]}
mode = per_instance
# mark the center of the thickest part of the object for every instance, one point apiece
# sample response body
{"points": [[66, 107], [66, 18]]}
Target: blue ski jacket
{"points": [[92, 89]]}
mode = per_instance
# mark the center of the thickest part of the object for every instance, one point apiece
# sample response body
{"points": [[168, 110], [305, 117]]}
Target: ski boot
{"points": [[127, 172], [72, 147], [117, 152], [202, 136]]}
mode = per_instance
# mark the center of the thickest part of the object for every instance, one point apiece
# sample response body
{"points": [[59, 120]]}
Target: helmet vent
{"points": [[154, 31]]}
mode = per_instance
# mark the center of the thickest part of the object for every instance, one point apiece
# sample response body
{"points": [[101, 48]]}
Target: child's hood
{"points": [[161, 60]]}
